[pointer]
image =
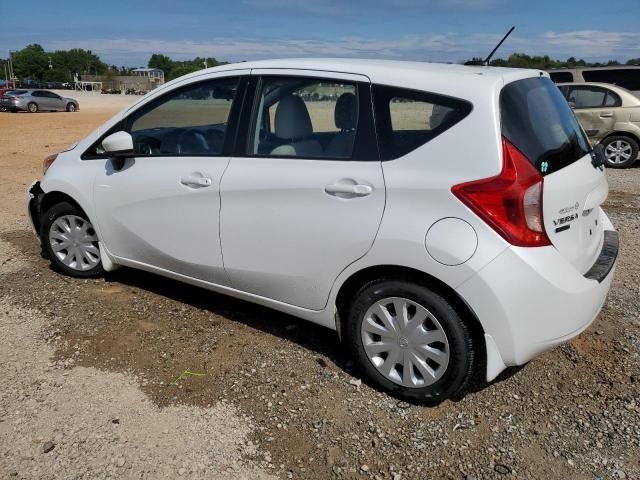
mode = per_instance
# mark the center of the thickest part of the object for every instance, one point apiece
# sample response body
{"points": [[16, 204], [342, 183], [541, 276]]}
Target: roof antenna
{"points": [[486, 61]]}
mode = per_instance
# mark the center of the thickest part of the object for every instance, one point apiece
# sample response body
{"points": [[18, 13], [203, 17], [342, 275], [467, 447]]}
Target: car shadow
{"points": [[318, 339]]}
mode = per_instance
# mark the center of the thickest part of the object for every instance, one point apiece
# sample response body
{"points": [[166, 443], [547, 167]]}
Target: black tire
{"points": [[461, 345], [611, 141], [55, 212], [71, 107], [32, 107]]}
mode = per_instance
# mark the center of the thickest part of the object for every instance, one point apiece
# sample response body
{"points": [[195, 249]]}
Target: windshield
{"points": [[15, 92], [537, 120]]}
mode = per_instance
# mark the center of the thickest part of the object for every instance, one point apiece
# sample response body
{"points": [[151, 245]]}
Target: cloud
{"points": [[441, 47], [594, 42]]}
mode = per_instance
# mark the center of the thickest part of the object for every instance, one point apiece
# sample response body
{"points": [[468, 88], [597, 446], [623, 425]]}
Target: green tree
{"points": [[30, 62]]}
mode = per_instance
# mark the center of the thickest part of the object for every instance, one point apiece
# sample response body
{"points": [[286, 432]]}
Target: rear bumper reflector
{"points": [[606, 259]]}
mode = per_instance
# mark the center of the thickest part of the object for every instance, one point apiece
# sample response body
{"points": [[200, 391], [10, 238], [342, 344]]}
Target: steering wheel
{"points": [[191, 141]]}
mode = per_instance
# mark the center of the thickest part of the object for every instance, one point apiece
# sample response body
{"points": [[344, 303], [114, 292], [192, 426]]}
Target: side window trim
{"points": [[363, 149]]}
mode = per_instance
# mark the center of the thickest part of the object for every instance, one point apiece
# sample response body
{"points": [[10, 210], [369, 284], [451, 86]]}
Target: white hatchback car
{"points": [[444, 219]]}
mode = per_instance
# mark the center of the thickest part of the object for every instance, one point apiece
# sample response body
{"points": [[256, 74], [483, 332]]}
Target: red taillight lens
{"points": [[510, 203], [47, 162]]}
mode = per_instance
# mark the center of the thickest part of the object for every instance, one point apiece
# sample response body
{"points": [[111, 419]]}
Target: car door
{"points": [[593, 107], [55, 101], [304, 195], [162, 208], [39, 97]]}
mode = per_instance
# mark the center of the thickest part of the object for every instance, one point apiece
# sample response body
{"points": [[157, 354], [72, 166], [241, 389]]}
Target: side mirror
{"points": [[118, 146]]}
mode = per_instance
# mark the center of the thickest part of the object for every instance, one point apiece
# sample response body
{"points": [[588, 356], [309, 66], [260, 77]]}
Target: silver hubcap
{"points": [[33, 108], [405, 342], [74, 242], [618, 151]]}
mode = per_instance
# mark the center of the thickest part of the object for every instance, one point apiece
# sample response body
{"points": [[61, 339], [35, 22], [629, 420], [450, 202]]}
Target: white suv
{"points": [[444, 219]]}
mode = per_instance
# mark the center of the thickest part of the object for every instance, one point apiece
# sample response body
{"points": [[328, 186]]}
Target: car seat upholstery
{"points": [[293, 125], [346, 119]]}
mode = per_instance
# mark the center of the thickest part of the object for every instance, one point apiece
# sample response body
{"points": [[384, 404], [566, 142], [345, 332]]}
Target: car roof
{"points": [[469, 82], [370, 67]]}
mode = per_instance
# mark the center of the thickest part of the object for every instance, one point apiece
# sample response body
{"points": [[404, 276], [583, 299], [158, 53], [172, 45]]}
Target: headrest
{"points": [[346, 112], [292, 118]]}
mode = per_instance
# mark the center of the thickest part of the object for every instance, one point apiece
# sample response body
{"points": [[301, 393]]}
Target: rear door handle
{"points": [[195, 180], [606, 115], [346, 190]]}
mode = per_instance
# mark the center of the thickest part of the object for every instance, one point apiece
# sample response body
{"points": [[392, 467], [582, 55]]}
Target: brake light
{"points": [[47, 162], [511, 203]]}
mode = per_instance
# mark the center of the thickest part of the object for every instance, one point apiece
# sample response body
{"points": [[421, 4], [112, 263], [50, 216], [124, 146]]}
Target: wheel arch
{"points": [[622, 133], [396, 272], [51, 198]]}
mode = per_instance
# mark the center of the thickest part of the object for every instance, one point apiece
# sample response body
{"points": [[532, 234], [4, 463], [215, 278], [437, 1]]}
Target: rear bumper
{"points": [[531, 299]]}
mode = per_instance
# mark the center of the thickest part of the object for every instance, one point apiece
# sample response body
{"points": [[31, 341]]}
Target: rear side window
{"points": [[628, 78], [537, 120], [561, 77], [407, 119]]}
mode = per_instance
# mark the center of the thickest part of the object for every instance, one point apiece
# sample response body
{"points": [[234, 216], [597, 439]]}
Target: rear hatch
{"points": [[537, 120]]}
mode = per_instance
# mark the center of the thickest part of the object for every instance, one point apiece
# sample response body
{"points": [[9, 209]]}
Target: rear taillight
{"points": [[47, 162], [511, 203]]}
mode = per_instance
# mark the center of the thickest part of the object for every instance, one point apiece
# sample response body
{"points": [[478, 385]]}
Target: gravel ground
{"points": [[279, 394]]}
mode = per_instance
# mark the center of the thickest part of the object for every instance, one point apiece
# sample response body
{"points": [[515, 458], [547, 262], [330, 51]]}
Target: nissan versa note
{"points": [[444, 219]]}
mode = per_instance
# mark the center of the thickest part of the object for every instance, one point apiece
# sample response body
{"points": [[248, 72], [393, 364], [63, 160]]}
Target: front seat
{"points": [[346, 120], [293, 126]]}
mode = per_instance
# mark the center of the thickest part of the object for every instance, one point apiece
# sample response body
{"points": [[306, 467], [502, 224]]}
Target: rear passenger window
{"points": [[587, 97], [306, 118], [407, 119]]}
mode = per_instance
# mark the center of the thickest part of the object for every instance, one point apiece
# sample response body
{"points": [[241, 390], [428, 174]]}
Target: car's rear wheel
{"points": [[71, 241], [620, 151], [32, 107], [71, 107], [410, 341]]}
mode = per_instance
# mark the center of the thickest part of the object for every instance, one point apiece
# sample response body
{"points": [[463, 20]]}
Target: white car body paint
{"points": [[256, 205]]}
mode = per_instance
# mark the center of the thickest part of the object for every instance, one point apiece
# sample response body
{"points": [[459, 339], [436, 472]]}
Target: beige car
{"points": [[609, 115]]}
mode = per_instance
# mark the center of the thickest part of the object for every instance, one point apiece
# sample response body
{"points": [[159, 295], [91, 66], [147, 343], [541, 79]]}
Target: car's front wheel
{"points": [[620, 151], [71, 107], [71, 242], [32, 107], [410, 341]]}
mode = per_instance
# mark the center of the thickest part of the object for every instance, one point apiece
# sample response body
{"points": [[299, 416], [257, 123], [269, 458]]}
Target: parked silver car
{"points": [[37, 100]]}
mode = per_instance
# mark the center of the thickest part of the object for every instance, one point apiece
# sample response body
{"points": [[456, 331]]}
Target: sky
{"points": [[127, 32]]}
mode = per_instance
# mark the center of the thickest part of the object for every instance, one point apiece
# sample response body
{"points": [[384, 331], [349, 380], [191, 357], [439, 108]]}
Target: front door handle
{"points": [[196, 181], [348, 191], [606, 115]]}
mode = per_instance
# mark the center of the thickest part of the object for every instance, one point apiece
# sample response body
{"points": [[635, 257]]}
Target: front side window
{"points": [[187, 121], [407, 119], [305, 117]]}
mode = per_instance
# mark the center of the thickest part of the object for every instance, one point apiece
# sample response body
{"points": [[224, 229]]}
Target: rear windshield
{"points": [[537, 120]]}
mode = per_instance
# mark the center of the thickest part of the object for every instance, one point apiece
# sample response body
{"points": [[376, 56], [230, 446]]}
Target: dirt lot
{"points": [[90, 366]]}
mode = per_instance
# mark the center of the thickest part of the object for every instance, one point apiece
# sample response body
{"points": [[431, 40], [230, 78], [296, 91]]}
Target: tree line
{"points": [[34, 63], [545, 62]]}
